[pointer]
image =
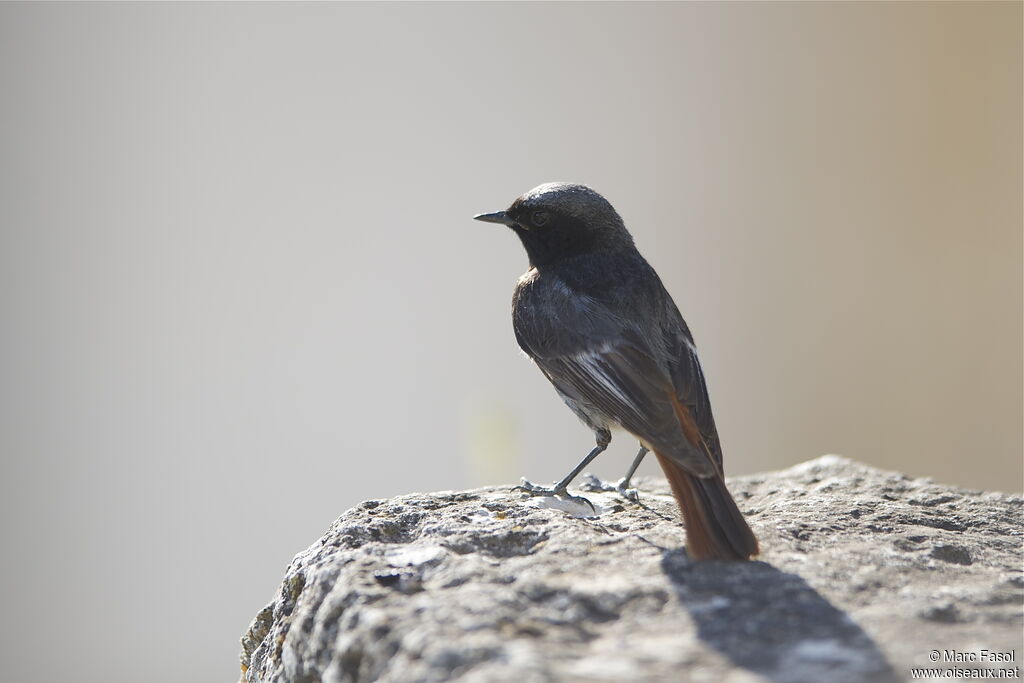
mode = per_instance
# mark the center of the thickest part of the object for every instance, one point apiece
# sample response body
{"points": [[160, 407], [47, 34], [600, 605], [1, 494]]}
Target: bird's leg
{"points": [[622, 486], [560, 489]]}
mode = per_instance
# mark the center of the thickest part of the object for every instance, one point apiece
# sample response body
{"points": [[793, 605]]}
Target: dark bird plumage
{"points": [[598, 322]]}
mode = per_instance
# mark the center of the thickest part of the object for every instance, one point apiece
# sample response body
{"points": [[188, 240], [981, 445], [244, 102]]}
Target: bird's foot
{"points": [[532, 489], [621, 487]]}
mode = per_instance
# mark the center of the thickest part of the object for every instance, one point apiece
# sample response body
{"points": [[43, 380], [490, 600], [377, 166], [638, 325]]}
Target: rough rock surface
{"points": [[863, 574]]}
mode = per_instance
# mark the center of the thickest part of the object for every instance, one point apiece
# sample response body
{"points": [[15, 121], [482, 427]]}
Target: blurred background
{"points": [[241, 290]]}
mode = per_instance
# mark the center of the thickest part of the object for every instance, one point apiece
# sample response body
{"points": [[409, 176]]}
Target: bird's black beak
{"points": [[496, 217]]}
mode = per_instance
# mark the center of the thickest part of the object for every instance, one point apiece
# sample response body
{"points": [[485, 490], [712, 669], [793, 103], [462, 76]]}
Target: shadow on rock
{"points": [[773, 623]]}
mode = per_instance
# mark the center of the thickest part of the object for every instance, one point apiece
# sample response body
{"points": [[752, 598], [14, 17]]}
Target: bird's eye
{"points": [[540, 217]]}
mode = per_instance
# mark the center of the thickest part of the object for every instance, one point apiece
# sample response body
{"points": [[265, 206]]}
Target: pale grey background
{"points": [[241, 291]]}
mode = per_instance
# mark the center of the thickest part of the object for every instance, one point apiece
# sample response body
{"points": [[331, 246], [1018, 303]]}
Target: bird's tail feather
{"points": [[715, 528]]}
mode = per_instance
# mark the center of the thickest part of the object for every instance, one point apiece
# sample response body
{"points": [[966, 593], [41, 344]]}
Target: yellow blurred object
{"points": [[490, 445]]}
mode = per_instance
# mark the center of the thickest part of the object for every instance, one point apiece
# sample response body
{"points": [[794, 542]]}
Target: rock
{"points": [[864, 573]]}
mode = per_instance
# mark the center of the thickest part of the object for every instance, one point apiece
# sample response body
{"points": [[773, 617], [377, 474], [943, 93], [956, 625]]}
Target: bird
{"points": [[596, 319]]}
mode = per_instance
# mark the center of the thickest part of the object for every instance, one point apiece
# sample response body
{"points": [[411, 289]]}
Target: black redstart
{"points": [[597, 321]]}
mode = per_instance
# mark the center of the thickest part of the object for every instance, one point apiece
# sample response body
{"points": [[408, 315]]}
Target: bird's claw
{"points": [[532, 489]]}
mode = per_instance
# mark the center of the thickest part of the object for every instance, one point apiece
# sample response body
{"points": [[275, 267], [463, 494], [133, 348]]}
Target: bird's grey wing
{"points": [[594, 360], [623, 382]]}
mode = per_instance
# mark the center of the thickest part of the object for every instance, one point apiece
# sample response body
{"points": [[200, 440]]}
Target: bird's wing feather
{"points": [[594, 357], [622, 382], [692, 392]]}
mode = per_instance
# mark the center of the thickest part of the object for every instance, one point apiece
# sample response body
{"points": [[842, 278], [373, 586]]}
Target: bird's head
{"points": [[556, 221]]}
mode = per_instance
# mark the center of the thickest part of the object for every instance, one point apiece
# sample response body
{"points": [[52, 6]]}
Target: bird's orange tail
{"points": [[715, 528]]}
